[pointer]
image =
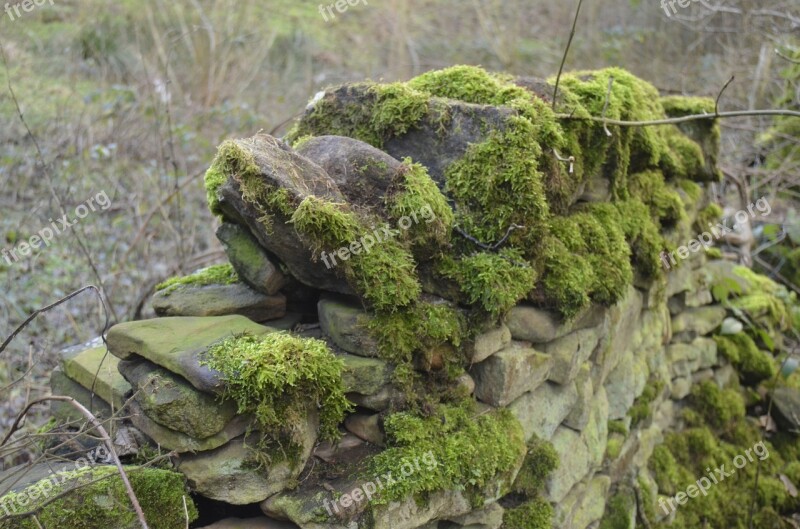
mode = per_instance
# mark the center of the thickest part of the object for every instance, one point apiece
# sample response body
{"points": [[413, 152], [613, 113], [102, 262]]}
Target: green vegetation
{"points": [[539, 463], [641, 408], [753, 364], [96, 497], [619, 509], [276, 377], [535, 514], [213, 275], [471, 451]]}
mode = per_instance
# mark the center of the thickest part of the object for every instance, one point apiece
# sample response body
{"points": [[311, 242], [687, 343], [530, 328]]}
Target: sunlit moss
{"points": [[223, 274]]}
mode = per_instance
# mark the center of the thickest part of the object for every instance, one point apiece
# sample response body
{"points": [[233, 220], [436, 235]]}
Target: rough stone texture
{"points": [[489, 517], [509, 373], [592, 503], [171, 401], [96, 369], [346, 326], [173, 440], [231, 474], [219, 300], [362, 173], [488, 343], [379, 401], [699, 321], [249, 259], [177, 344], [365, 426], [365, 376], [538, 326], [786, 403], [283, 169], [579, 415], [622, 322], [579, 453], [626, 383], [250, 523], [570, 352], [61, 384], [541, 411], [681, 387]]}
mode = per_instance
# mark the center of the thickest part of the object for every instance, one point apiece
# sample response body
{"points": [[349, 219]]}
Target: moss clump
{"points": [[231, 160], [418, 198], [718, 407], [665, 204], [619, 510], [535, 514], [708, 216], [493, 281], [389, 110], [539, 463], [753, 364], [213, 275], [424, 325], [641, 409], [96, 497], [471, 451], [276, 377], [643, 236], [385, 277], [618, 427], [684, 157]]}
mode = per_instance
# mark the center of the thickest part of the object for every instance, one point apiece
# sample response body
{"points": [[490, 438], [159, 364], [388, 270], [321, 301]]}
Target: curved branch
{"points": [[682, 119]]}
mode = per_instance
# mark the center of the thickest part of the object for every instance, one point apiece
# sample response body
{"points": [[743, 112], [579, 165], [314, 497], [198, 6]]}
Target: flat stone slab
{"points": [[250, 260], [509, 373], [172, 402], [570, 352], [346, 326], [535, 325], [219, 300], [541, 411], [365, 376], [699, 321], [488, 343], [178, 344], [96, 367], [180, 442]]}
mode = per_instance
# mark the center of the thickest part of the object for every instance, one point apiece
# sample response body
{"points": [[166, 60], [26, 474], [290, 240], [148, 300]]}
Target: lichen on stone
{"points": [[223, 274]]}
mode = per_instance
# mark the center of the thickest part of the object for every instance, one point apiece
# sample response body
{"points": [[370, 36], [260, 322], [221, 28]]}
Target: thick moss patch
{"points": [[276, 377], [98, 498]]}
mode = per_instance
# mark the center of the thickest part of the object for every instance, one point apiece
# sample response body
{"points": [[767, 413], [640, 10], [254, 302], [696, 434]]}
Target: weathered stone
{"points": [[380, 401], [366, 427], [724, 375], [61, 384], [488, 517], [530, 324], [366, 376], [731, 326], [339, 451], [178, 344], [570, 352], [786, 403], [541, 411], [488, 343], [283, 170], [506, 375], [702, 376], [466, 383], [250, 260], [219, 300], [681, 387], [232, 474], [250, 523], [699, 321], [625, 509], [679, 279], [625, 383], [579, 453], [362, 173], [346, 325], [579, 415], [95, 369], [708, 352], [592, 504], [176, 441], [622, 324], [171, 401]]}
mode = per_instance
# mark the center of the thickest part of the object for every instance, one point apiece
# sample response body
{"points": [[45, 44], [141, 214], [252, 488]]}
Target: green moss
{"points": [[566, 278], [213, 275], [96, 497], [753, 364], [619, 510], [684, 157], [389, 110], [275, 377], [471, 451], [231, 161], [641, 233], [540, 461], [714, 253], [687, 105], [719, 407], [493, 281], [618, 427], [302, 140], [641, 408], [535, 514], [614, 446], [418, 198], [709, 215], [665, 204], [384, 277]]}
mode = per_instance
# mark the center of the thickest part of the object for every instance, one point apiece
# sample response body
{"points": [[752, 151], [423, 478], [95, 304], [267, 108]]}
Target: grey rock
{"points": [[219, 300], [488, 343], [570, 352], [578, 417], [506, 375], [531, 324], [250, 260], [787, 408], [346, 325], [541, 411], [365, 426], [699, 321]]}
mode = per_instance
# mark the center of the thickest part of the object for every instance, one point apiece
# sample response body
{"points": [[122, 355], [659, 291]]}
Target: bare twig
{"points": [[104, 435], [716, 103], [605, 105], [566, 51], [786, 58], [682, 119]]}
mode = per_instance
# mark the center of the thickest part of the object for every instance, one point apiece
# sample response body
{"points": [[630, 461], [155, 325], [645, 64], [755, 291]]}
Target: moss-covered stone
{"points": [[223, 274], [535, 514], [96, 497], [753, 364]]}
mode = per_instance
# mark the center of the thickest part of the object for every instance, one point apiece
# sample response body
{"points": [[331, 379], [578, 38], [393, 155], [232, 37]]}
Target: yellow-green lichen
{"points": [[223, 274], [280, 379]]}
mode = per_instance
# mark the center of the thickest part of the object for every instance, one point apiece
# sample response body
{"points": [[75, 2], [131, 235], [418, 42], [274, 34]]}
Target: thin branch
{"points": [[106, 440], [716, 103], [605, 105], [786, 58], [682, 119], [566, 51]]}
